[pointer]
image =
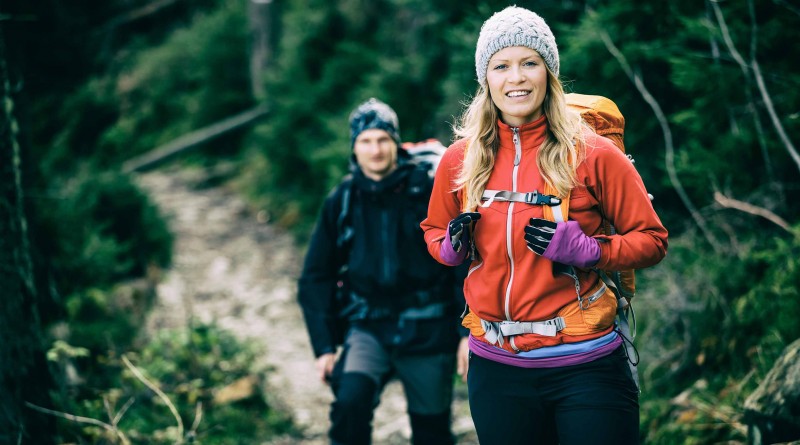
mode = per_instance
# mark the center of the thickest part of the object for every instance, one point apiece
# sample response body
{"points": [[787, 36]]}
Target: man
{"points": [[402, 305]]}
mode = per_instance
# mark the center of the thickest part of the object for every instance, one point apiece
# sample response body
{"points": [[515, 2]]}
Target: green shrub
{"points": [[190, 367], [711, 327], [187, 82], [102, 229]]}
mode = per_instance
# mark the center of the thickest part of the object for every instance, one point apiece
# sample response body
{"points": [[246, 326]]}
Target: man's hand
{"points": [[325, 364], [462, 359]]}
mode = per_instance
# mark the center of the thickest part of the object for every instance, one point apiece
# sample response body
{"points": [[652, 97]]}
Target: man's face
{"points": [[376, 153]]}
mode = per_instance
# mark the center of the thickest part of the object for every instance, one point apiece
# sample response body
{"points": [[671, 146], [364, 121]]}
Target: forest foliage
{"points": [[710, 91]]}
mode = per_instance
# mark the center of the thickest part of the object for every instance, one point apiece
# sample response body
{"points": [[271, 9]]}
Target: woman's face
{"points": [[376, 153], [517, 79]]}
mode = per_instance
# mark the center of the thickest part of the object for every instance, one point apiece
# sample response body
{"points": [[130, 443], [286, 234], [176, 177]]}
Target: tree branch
{"points": [[788, 6], [198, 416], [668, 145], [762, 138], [122, 411], [139, 13], [81, 419], [762, 87], [138, 374], [731, 203], [191, 140]]}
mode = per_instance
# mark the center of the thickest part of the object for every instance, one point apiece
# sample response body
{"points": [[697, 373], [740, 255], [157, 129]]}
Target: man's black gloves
{"points": [[459, 230]]}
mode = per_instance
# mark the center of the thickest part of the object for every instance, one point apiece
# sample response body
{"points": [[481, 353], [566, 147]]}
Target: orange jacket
{"points": [[510, 282]]}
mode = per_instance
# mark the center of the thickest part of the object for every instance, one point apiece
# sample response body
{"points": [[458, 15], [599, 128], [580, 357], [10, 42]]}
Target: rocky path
{"points": [[233, 268]]}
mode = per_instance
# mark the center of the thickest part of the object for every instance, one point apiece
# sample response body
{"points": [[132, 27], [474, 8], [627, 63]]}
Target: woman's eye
{"points": [[529, 63], [500, 66]]}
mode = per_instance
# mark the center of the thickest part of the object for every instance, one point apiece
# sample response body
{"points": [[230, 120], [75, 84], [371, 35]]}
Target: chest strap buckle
{"points": [[532, 198]]}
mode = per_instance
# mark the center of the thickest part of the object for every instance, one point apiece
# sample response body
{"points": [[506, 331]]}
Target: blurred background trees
{"points": [[710, 91]]}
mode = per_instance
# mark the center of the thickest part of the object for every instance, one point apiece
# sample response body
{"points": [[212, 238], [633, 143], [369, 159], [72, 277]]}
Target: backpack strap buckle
{"points": [[496, 330]]}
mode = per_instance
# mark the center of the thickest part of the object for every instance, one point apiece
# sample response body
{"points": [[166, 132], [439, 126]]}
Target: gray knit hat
{"points": [[374, 114], [514, 26]]}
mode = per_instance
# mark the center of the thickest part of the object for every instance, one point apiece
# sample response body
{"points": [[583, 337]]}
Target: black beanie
{"points": [[374, 114]]}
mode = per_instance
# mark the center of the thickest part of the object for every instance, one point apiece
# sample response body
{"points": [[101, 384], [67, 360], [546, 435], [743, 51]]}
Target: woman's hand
{"points": [[562, 242], [458, 238], [459, 230], [462, 358]]}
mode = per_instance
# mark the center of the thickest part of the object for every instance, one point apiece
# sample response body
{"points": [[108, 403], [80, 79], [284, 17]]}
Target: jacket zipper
{"points": [[509, 219], [387, 257]]}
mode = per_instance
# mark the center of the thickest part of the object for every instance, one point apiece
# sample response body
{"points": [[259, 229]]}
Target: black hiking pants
{"points": [[360, 376], [592, 403]]}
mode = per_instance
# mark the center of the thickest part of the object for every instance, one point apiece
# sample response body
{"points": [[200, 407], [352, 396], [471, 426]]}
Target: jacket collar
{"points": [[390, 181], [531, 134]]}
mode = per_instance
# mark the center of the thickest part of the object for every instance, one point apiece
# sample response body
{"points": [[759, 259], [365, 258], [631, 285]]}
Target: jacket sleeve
{"points": [[445, 203], [641, 238], [318, 281]]}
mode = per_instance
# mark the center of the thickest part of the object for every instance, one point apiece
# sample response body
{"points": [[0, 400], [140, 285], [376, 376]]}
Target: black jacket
{"points": [[386, 263]]}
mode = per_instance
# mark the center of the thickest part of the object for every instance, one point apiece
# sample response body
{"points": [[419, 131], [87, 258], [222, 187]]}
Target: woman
{"points": [[546, 364]]}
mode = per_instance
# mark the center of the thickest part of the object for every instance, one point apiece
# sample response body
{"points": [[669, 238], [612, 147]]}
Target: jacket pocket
{"points": [[597, 314]]}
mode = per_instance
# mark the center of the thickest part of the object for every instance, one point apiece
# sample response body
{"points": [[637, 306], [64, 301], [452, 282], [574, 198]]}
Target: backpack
{"points": [[425, 156], [603, 115], [429, 152], [605, 118]]}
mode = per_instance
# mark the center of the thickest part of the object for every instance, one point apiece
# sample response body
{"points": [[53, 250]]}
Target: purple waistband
{"points": [[498, 355]]}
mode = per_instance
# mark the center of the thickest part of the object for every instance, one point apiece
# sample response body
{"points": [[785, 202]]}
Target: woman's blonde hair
{"points": [[557, 157]]}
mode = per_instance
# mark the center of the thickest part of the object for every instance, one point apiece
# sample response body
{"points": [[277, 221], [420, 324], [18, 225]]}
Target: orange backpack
{"points": [[605, 118]]}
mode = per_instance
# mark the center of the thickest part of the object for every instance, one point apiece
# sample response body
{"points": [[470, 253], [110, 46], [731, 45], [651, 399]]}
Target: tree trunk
{"points": [[260, 16], [23, 370]]}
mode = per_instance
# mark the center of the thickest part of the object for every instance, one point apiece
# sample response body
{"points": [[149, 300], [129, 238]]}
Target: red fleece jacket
{"points": [[508, 281]]}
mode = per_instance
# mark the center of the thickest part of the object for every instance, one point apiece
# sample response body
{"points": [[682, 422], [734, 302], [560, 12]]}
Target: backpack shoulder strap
{"points": [[420, 181], [559, 213], [344, 229]]}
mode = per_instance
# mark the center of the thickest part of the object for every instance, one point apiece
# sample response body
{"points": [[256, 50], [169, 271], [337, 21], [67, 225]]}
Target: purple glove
{"points": [[458, 239], [562, 242], [448, 253]]}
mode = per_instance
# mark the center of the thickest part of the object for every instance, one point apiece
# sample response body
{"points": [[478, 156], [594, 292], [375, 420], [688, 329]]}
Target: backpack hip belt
{"points": [[494, 331], [434, 310], [590, 314], [422, 309]]}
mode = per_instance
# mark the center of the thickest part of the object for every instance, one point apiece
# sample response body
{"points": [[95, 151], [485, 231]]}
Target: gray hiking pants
{"points": [[364, 369]]}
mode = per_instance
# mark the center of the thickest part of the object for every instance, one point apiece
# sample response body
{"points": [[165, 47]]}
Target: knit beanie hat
{"points": [[374, 114], [514, 26]]}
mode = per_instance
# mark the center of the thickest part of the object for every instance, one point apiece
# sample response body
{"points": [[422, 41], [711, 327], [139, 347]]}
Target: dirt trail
{"points": [[231, 268]]}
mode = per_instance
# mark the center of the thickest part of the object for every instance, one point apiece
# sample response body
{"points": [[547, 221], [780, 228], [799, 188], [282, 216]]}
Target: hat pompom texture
{"points": [[515, 26]]}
